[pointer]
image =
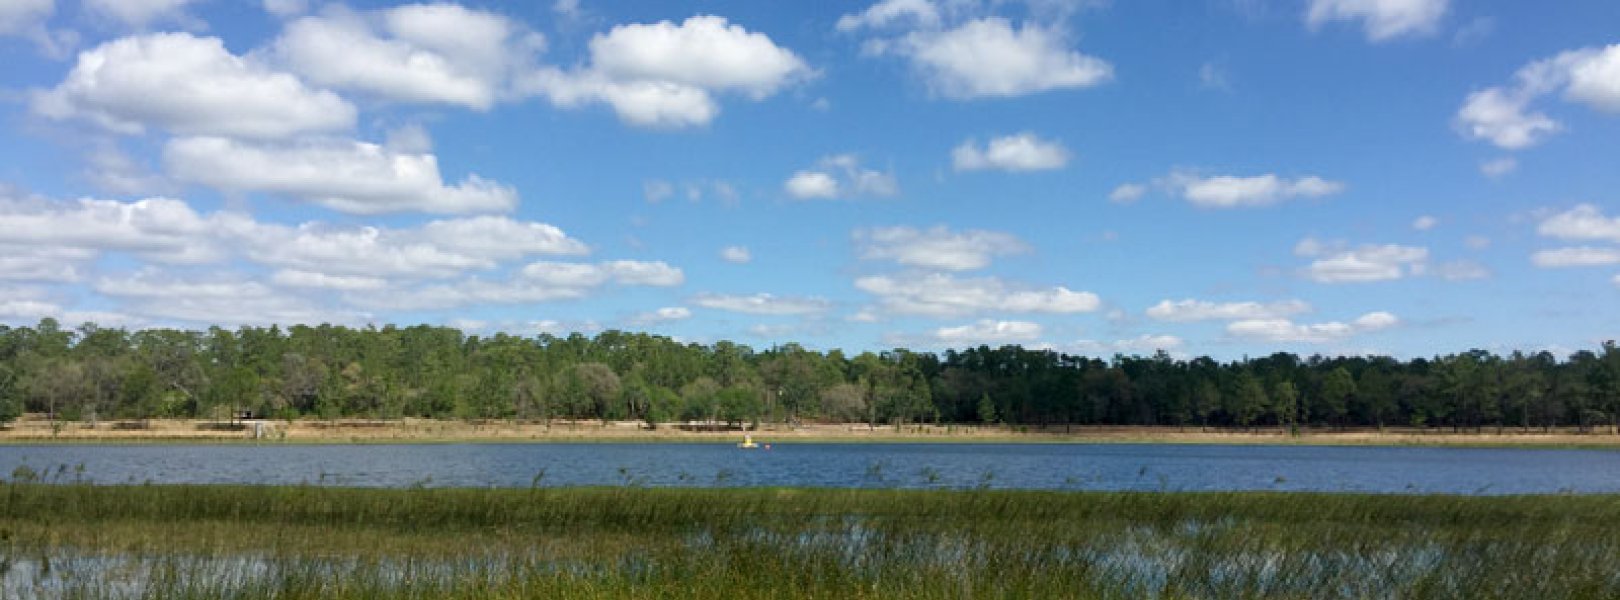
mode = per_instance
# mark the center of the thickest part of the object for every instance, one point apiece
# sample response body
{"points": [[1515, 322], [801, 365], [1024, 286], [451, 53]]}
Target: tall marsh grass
{"points": [[81, 541]]}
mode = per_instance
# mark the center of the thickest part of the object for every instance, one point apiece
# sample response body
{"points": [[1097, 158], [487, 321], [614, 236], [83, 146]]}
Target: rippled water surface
{"points": [[1028, 466]]}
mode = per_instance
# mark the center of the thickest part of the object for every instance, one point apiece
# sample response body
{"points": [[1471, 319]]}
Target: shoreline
{"points": [[427, 431]]}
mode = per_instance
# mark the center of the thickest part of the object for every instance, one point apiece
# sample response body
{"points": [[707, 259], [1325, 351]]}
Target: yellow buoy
{"points": [[748, 442]]}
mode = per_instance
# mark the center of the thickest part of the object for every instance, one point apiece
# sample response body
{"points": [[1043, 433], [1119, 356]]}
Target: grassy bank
{"points": [[312, 542], [38, 430]]}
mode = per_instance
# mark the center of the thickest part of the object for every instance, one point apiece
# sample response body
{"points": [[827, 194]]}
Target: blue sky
{"points": [[1226, 177]]}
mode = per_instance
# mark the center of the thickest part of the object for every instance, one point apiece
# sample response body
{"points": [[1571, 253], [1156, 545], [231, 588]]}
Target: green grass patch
{"points": [[80, 541]]}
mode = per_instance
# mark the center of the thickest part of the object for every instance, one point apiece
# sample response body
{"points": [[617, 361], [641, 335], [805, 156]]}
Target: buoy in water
{"points": [[748, 442]]}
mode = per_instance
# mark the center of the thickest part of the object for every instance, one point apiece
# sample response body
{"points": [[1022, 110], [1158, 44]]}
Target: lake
{"points": [[1001, 466]]}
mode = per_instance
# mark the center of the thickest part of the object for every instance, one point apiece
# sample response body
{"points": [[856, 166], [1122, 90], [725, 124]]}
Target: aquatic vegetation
{"points": [[81, 541]]}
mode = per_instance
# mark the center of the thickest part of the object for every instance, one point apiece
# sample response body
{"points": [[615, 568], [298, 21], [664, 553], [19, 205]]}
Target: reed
{"points": [[82, 541]]}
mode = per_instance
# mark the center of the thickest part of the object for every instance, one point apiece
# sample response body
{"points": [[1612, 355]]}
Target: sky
{"points": [[1207, 177]]}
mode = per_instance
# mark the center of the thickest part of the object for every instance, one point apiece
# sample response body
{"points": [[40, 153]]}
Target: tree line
{"points": [[328, 371]]}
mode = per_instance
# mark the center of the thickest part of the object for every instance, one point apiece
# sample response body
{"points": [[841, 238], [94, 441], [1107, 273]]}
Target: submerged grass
{"points": [[79, 541]]}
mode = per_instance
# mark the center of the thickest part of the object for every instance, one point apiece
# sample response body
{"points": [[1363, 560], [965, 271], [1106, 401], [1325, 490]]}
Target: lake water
{"points": [[1001, 466]]}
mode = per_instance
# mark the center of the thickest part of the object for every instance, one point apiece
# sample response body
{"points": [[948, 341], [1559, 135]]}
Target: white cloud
{"points": [[763, 304], [668, 314], [736, 255], [348, 176], [937, 247], [990, 57], [1225, 191], [42, 264], [1579, 256], [1584, 222], [438, 249], [428, 53], [1425, 223], [306, 279], [808, 185], [1015, 153], [919, 12], [1369, 263], [1189, 310], [18, 16], [1499, 116], [1127, 193], [157, 229], [1498, 168], [28, 19], [537, 282], [286, 8], [940, 295], [1502, 114], [221, 301], [1143, 344], [989, 332], [190, 86], [840, 176], [1287, 331], [666, 75], [139, 14], [1461, 270], [1382, 19]]}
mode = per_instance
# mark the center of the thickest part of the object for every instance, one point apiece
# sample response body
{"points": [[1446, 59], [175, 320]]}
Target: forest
{"points": [[328, 371]]}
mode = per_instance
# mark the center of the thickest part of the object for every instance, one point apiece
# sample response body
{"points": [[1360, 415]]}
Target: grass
{"points": [[81, 541]]}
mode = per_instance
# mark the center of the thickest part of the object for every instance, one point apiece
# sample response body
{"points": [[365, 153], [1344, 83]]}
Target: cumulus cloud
{"points": [[736, 255], [1382, 19], [811, 185], [1142, 344], [840, 176], [989, 332], [1584, 222], [20, 16], [937, 247], [543, 281], [1015, 153], [1363, 264], [1183, 311], [990, 57], [427, 53], [1500, 116], [344, 175], [286, 8], [42, 264], [190, 86], [215, 301], [28, 19], [51, 237], [919, 12], [1287, 331], [1227, 191], [1503, 115], [438, 249], [667, 75], [668, 314], [1127, 193], [763, 304], [1425, 223], [1578, 256], [1461, 270], [940, 295], [306, 279]]}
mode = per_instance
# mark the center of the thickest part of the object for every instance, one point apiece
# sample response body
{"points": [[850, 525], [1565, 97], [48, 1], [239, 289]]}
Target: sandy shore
{"points": [[34, 429]]}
